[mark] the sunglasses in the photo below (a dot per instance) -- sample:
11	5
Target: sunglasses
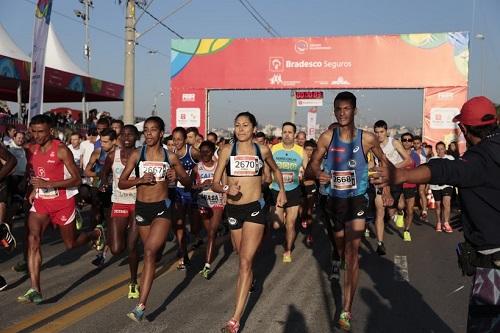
407	140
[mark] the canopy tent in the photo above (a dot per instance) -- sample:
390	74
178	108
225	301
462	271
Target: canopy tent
64	80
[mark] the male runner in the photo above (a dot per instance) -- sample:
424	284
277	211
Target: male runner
290	158
300	138
346	172
55	178
422	188
409	189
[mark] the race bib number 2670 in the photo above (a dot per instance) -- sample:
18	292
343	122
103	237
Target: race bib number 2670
244	165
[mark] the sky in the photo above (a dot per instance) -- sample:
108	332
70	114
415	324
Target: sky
290	18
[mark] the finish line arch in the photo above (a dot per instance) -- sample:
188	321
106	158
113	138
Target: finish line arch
435	62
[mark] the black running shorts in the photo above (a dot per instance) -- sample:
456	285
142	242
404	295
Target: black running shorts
147	212
251	212
343	210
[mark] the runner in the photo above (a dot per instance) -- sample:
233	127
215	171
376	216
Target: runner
8	163
300	138
422	188
210	204
243	162
290	158
396	154
54	181
212	137
409	189
188	156
346	171
442	195
122	230
309	191
153	214
76	150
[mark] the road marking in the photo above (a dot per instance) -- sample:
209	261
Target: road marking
111	294
456	290
401	269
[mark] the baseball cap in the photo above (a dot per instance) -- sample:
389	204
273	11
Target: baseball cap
477	111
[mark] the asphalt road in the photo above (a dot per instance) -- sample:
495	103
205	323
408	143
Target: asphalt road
416	287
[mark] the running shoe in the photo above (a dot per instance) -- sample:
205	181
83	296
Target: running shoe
232	326
406	236
309	240
7	240
133	291
20	267
100	242
345	321
367	233
137	314
205	272
181	266
381	249
304	224
335	271
447	228
438	227
3	283
423	215
400	221
78	220
31	296
287	257
100	260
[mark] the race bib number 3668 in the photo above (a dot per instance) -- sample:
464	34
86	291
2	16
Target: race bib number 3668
343	180
244	165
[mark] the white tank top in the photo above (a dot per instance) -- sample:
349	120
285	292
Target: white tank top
391	152
208	198
121	196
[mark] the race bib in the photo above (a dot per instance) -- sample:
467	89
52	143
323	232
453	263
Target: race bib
211	198
244	165
343	180
48	193
288	177
159	169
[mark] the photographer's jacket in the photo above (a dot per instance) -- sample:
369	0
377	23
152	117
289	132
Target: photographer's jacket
477	175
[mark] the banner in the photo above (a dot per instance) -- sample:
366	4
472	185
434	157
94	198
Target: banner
40	33
311	123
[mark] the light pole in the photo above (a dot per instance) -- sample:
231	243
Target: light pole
155	99
481	38
85	16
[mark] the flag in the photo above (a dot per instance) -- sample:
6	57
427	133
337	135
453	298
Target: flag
40	33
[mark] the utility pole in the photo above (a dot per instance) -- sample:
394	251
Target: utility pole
128	103
85	16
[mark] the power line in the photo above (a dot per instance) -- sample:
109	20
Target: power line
256	15
157	20
167	16
262	18
149	49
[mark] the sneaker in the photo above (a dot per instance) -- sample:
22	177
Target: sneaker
3	283
78	220
438	227
423	215
232	326
335	272
31	296
205	272
7	240
287	257
100	260
381	249
137	314
20	267
345	321
100	242
309	241
447	228
406	236
400	220
367	233
133	291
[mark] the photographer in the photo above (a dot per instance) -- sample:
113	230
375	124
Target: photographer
477	177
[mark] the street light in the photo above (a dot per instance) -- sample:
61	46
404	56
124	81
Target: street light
481	38
155	99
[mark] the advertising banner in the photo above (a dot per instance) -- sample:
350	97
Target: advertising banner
40	33
425	60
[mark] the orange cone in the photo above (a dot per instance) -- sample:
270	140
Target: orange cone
431	203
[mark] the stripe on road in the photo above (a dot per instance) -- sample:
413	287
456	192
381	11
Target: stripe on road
401	269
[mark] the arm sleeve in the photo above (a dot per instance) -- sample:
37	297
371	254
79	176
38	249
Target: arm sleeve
467	172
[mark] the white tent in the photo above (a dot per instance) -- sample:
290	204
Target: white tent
57	57
9	48
140	126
